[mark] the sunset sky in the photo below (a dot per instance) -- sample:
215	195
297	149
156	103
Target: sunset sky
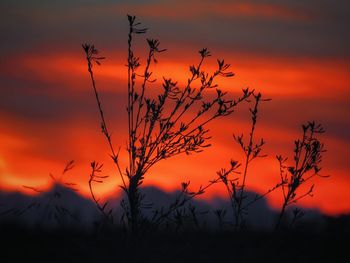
294	52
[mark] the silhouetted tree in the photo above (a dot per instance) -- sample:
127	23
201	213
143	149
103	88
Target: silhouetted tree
172	123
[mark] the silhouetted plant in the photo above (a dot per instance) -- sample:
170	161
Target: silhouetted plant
220	214
157	127
52	209
307	159
107	216
306	165
234	185
297	215
181	205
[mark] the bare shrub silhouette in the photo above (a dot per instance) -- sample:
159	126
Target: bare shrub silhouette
53	211
306	166
307	160
175	122
181	210
95	177
234	185
172	123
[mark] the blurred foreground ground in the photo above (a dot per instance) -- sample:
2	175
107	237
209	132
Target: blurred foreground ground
33	244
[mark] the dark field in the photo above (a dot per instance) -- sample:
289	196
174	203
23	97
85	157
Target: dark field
23	244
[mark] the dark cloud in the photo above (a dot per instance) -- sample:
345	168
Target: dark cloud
292	112
66	22
24	101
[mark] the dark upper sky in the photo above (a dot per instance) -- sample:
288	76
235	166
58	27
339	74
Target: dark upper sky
312	28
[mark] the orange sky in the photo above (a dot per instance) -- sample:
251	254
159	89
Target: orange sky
49	116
